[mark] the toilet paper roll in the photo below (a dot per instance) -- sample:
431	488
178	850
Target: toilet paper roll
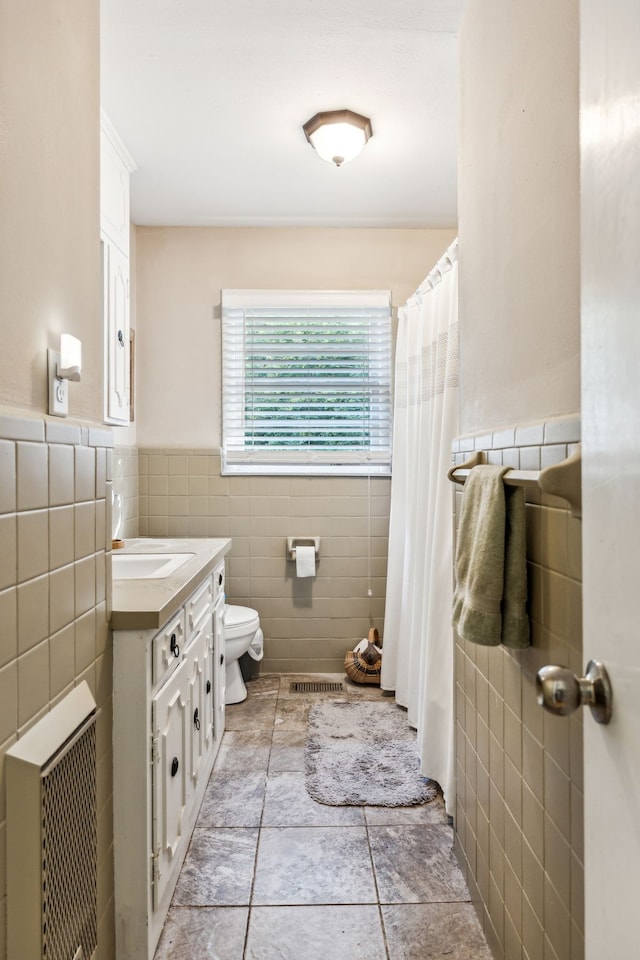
305	562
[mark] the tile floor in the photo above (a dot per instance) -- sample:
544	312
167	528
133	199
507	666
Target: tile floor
273	875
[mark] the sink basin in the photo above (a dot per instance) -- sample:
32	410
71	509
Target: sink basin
147	566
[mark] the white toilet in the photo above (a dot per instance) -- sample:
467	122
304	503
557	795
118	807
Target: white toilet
242	634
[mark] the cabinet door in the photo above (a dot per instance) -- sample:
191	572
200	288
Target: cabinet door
114	191
197	659
116	324
209	695
219	674
171	723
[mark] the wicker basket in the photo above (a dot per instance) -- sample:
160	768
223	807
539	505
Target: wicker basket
364	666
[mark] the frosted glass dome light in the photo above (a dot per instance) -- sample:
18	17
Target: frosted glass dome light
338	136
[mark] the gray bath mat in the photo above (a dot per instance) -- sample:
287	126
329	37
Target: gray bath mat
363	754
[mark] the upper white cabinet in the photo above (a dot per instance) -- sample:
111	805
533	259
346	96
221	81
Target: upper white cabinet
117	366
116	167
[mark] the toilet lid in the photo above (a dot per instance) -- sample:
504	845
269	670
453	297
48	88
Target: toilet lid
240	620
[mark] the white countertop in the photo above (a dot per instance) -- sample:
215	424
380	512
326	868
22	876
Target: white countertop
149	603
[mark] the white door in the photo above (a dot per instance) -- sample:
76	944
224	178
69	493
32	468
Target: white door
610	148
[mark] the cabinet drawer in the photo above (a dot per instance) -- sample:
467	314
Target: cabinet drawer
198	606
167	647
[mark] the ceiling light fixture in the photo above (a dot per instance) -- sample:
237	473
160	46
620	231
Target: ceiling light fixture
338	135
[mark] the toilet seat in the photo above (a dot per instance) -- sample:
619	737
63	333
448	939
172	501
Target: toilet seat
240	621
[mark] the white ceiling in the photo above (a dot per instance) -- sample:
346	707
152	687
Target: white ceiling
209	97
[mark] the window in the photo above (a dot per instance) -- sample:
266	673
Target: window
306	382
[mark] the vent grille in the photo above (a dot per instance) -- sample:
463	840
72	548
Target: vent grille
52	834
314	686
69	852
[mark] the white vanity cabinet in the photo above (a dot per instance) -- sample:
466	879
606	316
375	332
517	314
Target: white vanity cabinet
168	721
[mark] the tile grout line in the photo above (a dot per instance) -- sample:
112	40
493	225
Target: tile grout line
255	859
377	889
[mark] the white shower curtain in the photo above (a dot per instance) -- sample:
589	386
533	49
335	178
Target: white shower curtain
418	640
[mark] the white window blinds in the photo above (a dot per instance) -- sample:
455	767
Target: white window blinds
306	382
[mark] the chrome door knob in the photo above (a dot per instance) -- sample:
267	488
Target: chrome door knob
560	692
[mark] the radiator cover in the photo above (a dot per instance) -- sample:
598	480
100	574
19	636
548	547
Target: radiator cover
51	835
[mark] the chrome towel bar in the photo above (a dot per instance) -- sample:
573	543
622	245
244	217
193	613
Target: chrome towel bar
563	479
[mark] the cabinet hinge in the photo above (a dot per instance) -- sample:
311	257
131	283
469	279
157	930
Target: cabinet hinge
155	755
154	868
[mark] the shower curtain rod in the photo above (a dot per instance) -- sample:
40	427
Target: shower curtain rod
435	275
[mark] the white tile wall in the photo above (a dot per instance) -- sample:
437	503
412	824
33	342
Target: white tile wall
54	486
125	482
308	625
519	817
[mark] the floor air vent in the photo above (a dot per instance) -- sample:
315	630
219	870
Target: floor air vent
314	686
51	835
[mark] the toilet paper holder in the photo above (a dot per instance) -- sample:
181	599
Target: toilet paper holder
293	542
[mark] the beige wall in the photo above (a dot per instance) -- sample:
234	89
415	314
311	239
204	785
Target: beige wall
519	212
49	197
54	487
180	272
308	625
519	774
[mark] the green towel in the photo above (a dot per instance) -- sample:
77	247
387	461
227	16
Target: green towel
489	603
